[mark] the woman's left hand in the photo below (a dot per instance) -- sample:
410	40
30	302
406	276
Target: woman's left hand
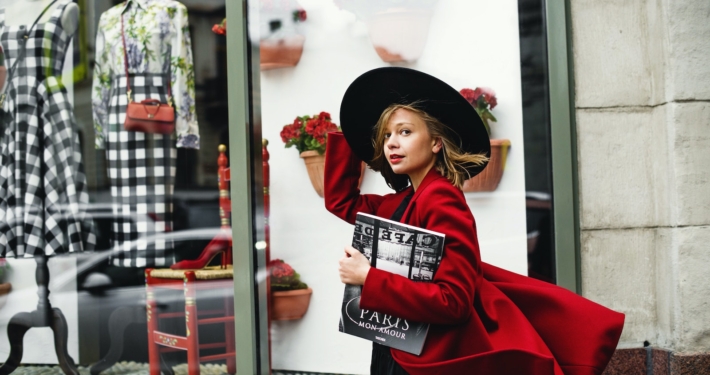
353	267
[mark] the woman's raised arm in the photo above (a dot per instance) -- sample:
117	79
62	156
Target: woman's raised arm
342	174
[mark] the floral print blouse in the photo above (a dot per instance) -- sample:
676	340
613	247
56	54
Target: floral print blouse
157	39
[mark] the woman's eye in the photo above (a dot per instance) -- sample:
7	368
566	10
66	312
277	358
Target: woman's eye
387	135
405	132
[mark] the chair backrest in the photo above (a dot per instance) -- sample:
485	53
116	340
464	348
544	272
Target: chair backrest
225	203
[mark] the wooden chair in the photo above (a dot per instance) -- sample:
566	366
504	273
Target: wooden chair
193	283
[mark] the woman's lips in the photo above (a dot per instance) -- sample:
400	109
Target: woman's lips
394	159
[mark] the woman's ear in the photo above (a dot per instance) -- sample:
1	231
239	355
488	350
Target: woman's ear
436	147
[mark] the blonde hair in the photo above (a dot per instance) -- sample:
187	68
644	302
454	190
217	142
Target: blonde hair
451	161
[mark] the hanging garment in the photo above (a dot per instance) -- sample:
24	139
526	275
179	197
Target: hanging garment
42	182
141	165
158	42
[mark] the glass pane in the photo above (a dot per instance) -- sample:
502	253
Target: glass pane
113	157
310	52
536	132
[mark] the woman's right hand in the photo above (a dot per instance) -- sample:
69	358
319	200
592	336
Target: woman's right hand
353	267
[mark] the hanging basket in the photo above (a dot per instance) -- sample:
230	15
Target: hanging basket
281	53
291	304
399	35
489	179
315	164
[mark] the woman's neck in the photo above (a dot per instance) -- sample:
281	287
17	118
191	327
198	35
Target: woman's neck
417	179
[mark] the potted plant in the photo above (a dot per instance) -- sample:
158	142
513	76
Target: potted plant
290	296
398	30
309	134
281	42
282	45
483	100
5	287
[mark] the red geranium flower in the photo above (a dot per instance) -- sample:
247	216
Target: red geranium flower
308	132
299	15
483	100
220	28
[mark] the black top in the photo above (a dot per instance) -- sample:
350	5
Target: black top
382	362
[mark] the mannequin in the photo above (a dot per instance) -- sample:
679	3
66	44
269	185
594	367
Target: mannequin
28	10
141	166
50	220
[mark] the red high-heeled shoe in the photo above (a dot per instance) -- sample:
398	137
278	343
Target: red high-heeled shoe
221	244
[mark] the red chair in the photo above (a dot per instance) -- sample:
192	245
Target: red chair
192	277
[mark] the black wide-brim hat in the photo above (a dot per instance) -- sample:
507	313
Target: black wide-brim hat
371	93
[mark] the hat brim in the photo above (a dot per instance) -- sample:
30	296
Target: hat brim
371	93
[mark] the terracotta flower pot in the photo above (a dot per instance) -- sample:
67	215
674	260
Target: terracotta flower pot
490	177
400	34
315	164
290	305
282	53
5	288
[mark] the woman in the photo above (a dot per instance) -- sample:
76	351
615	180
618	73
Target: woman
425	139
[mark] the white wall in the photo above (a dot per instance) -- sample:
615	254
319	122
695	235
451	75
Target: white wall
471	43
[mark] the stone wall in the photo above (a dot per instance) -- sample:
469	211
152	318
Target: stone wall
642	98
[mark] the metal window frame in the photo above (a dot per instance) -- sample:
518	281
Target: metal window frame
564	144
245	154
249	258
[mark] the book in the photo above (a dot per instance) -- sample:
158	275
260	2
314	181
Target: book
398	248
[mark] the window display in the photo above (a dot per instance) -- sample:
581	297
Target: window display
92	201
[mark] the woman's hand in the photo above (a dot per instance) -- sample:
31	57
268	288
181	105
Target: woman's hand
353	267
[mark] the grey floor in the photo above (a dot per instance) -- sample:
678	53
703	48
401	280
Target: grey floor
133	368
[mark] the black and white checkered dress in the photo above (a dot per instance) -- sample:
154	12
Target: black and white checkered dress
42	183
142	174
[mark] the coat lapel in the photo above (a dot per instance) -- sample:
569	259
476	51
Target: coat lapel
432	175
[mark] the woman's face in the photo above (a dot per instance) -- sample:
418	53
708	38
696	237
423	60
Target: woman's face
409	148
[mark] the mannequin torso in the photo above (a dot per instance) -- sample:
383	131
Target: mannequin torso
24	12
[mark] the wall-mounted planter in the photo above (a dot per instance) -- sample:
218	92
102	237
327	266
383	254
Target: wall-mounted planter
281	53
315	164
489	179
399	35
291	304
5	289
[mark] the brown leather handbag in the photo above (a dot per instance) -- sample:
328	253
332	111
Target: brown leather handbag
149	115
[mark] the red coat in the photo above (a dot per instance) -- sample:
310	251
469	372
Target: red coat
484	320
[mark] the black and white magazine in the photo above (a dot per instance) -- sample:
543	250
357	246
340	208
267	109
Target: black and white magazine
398	248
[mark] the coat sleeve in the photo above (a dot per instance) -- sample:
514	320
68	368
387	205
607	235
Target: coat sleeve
342	173
448	299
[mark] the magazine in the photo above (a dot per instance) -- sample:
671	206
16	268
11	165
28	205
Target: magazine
398	248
